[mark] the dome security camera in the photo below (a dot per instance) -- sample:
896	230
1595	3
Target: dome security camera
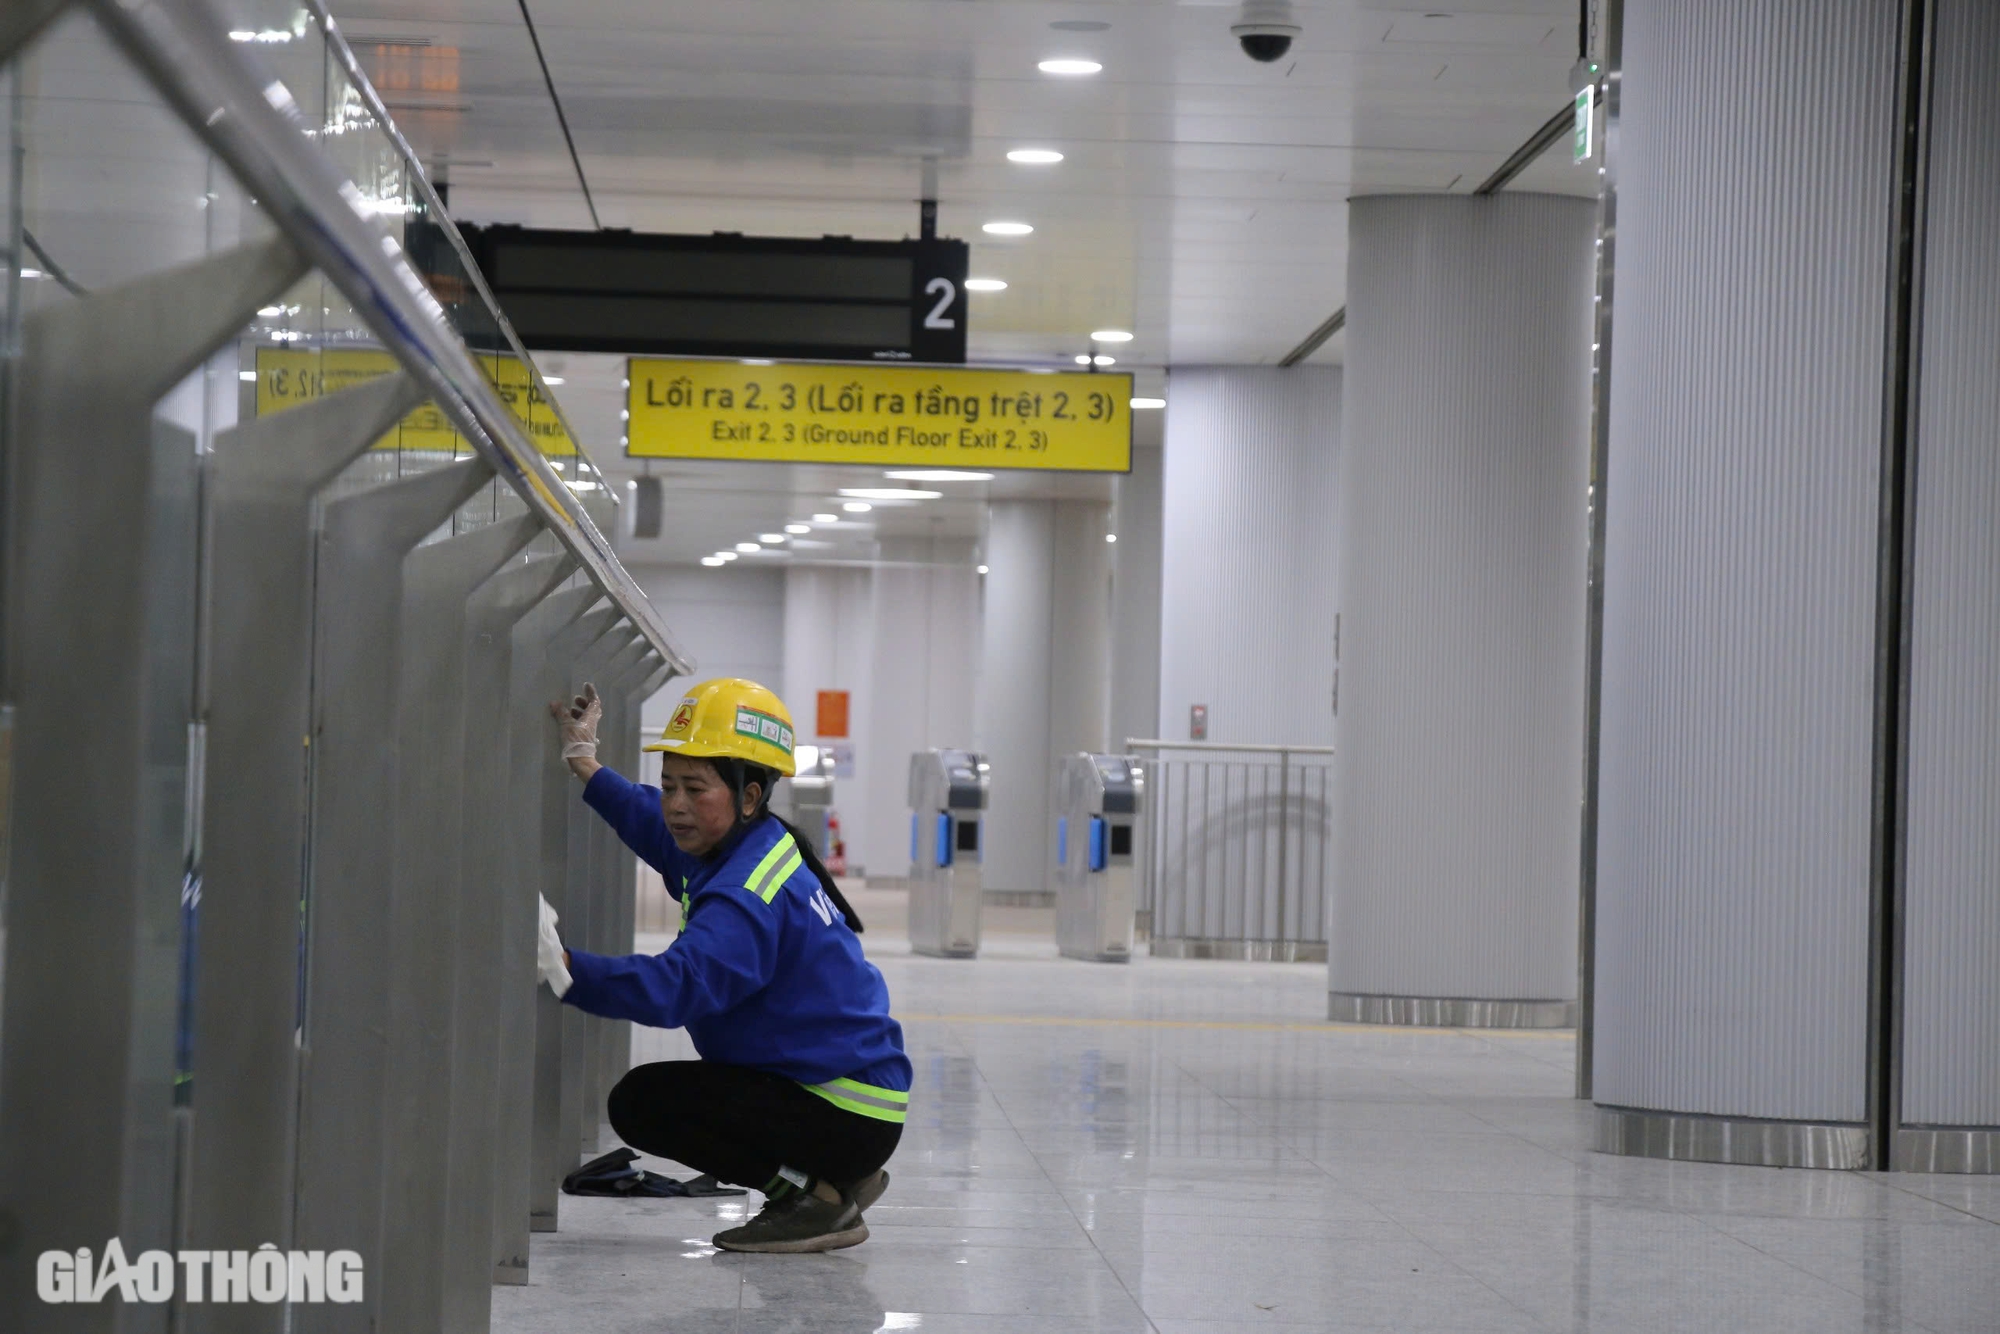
1265	30
1265	42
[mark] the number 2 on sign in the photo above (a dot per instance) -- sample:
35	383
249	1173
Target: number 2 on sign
946	293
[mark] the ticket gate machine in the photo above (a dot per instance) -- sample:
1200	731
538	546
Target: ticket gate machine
1099	799
807	796
947	799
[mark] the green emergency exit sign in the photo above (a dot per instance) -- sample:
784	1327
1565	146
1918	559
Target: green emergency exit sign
1580	140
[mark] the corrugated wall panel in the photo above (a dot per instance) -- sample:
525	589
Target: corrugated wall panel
1951	1007
1754	193
1462	531
1246	567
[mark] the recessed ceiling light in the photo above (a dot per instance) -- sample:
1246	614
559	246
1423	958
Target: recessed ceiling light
747	547
796	528
1034	157
1006	228
1111	336
1083	359
1111	537
1141	404
758	361
248	377
826	518
713	561
888	493
552	379
1066	65
985	285
937	475
771	538
857	507
982	569
725	556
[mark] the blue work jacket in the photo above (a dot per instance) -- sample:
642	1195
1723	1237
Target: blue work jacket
765	972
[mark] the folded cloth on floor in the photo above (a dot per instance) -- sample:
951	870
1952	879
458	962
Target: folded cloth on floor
613	1174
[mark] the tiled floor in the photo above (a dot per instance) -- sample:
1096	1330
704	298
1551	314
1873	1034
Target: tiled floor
1188	1148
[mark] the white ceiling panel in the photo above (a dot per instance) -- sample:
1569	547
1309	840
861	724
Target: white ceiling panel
1201	202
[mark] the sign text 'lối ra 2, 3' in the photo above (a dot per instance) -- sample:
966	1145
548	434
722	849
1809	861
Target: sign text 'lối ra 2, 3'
893	416
288	377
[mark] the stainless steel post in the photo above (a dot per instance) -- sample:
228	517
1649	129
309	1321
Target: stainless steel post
430	709
102	659
262	479
349	900
583	1039
1284	838
609	857
552	1151
539	779
621	742
482	985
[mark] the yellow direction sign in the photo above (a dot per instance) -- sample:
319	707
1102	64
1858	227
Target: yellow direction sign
287	377
894	416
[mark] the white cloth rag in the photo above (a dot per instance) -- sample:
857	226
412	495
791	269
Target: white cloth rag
549	952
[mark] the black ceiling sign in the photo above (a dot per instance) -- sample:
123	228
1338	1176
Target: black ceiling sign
725	295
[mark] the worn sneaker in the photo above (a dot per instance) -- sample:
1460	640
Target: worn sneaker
798	1223
868	1190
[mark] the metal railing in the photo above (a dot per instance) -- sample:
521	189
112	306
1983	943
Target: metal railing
263	664
1236	860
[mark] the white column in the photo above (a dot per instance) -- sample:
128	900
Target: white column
829	641
924	601
1462	531
1736	736
1044	675
1951	994
1135	590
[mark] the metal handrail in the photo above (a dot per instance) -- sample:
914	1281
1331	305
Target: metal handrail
434	207
252	124
1154	810
1141	743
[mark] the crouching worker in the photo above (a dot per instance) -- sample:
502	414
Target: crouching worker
802	1084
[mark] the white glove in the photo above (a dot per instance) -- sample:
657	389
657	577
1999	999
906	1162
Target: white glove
579	725
549	952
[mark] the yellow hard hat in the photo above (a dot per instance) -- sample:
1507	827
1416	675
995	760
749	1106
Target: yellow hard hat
730	718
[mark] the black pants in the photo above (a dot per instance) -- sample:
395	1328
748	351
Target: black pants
742	1125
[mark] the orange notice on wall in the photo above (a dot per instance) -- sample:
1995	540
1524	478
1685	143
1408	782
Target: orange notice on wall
832	720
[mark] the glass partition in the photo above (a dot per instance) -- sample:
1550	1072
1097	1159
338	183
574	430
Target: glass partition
111	186
243	702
